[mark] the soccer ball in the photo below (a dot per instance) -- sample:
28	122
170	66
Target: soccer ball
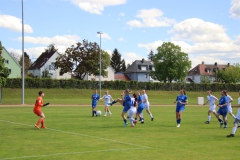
99	113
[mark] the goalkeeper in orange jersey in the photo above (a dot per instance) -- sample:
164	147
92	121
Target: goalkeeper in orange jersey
37	110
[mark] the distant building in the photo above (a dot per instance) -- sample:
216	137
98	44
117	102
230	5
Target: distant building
121	77
108	77
11	64
139	71
201	70
46	62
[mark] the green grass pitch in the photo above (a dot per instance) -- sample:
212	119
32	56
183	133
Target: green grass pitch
73	134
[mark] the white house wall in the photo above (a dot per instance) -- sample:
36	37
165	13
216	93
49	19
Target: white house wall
110	76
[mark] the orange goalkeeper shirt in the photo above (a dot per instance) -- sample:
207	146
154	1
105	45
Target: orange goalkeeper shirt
38	104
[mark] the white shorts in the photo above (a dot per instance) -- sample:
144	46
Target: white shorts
132	111
107	104
229	109
146	105
212	108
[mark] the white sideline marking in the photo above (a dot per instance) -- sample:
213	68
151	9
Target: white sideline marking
74	153
84	135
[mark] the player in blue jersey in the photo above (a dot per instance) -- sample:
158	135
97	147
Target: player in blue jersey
127	101
223	109
140	108
181	101
95	99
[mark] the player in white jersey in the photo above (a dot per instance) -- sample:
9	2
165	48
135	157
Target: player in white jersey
107	99
229	106
146	103
237	119
211	99
133	110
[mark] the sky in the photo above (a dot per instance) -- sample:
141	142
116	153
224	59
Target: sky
207	30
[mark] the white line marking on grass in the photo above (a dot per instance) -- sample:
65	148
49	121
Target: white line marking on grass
75	153
84	135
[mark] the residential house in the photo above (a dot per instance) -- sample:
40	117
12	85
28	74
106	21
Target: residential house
139	71
201	70
121	77
108	77
46	62
11	64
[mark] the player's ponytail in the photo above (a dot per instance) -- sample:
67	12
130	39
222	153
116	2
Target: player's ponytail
135	99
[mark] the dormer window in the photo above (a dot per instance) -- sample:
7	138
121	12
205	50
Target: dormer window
144	68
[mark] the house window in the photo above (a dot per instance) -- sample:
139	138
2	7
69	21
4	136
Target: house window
7	61
93	79
61	73
10	71
52	67
106	75
146	75
144	68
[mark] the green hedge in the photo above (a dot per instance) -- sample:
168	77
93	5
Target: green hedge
116	85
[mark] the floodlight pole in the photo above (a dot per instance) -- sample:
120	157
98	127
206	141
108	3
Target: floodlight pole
100	64
23	64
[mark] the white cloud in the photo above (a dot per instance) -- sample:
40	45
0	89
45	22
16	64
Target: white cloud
14	23
151	18
96	6
235	9
104	36
122	40
66	40
130	57
151	46
122	14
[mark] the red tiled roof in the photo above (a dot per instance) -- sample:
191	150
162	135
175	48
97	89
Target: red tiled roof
206	69
121	77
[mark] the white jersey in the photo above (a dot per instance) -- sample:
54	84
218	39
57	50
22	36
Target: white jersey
229	105
133	110
145	101
238	113
107	98
211	100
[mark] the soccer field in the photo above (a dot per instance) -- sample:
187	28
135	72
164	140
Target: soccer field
73	134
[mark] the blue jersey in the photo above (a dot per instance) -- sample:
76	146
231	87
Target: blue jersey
127	100
181	98
223	100
95	98
223	110
140	100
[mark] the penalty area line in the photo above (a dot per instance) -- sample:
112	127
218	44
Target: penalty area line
74	153
79	134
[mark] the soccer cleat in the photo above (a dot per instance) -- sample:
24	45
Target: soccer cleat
105	115
225	127
142	121
221	123
152	119
36	126
44	127
110	114
178	125
207	122
125	124
230	135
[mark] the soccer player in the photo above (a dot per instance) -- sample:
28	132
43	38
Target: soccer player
95	99
223	109
107	98
38	112
211	99
127	101
181	101
146	103
237	119
140	108
132	111
229	106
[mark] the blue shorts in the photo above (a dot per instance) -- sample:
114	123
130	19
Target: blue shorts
94	105
125	109
140	109
223	111
180	108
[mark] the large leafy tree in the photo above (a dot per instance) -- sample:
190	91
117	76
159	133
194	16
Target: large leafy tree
116	62
231	74
27	62
170	63
83	59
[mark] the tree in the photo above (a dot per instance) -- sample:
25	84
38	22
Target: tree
117	64
46	74
27	62
170	63
4	72
15	56
205	79
83	59
151	55
231	74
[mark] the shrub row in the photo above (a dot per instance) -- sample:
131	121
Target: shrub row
116	85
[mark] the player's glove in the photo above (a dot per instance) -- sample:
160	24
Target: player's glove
46	104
